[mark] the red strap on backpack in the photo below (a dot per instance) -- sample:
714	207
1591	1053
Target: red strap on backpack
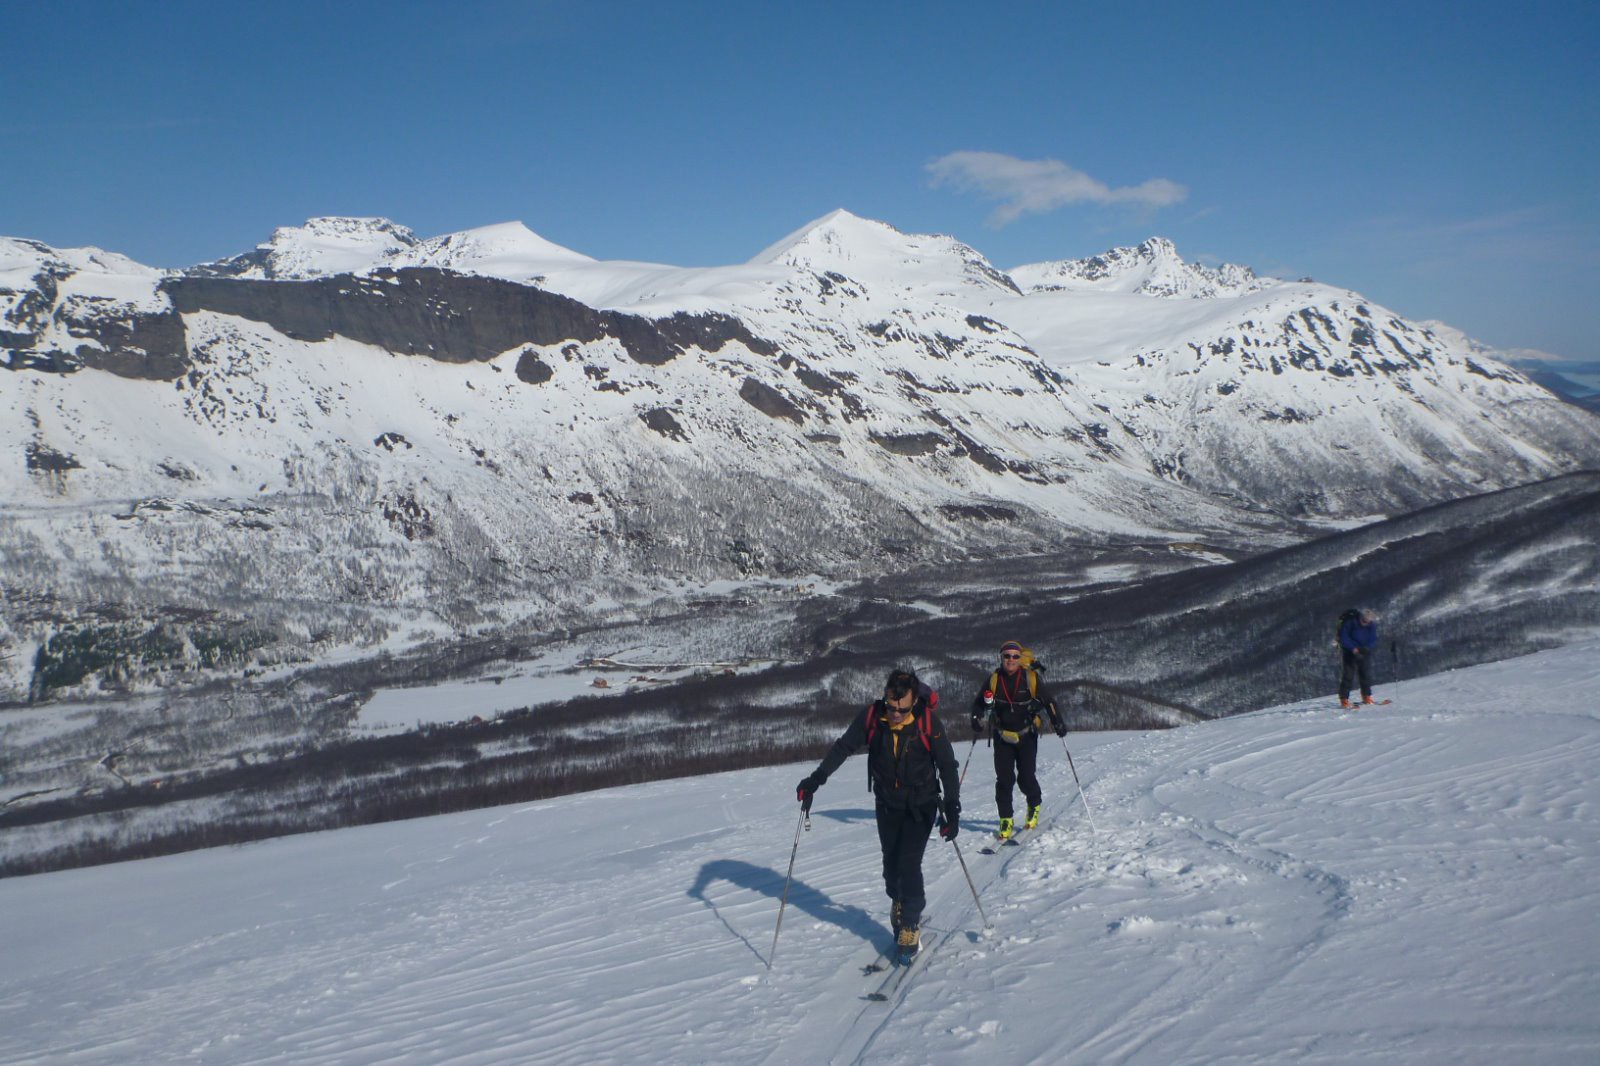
924	723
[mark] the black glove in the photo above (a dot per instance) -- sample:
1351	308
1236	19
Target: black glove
951	825
805	791
977	722
1060	726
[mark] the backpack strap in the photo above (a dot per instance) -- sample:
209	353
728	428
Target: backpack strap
1033	683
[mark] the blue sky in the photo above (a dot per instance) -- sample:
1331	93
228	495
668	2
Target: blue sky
1438	157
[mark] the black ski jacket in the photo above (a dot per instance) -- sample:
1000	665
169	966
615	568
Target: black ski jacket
1016	709
902	771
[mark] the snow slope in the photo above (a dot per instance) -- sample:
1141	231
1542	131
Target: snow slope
1415	883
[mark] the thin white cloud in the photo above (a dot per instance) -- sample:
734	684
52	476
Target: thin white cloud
1036	186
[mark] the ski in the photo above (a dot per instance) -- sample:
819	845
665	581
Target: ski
904	967
995	843
1358	706
891	956
1012	841
1016	839
885	959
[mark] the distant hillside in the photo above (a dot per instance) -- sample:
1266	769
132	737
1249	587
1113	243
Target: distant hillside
1471	581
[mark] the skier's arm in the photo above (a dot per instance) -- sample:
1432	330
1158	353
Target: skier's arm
982	706
850	741
1049	701
944	758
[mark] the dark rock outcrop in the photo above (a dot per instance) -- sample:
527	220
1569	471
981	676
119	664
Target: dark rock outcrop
769	401
908	443
662	421
455	318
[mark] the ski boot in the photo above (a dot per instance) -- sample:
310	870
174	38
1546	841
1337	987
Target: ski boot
1033	818
1367	700
1007	828
909	941
1344	704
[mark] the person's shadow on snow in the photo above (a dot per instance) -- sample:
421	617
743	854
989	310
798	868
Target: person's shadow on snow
769	882
846	814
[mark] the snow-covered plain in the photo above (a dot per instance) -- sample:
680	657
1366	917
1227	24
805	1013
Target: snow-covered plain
1413	883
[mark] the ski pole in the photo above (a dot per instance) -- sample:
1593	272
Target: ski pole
970	885
805	820
969	760
1085	798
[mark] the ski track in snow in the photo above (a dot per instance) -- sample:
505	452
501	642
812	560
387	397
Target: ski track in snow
1416	883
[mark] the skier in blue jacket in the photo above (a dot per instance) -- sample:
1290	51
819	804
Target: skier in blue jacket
1358	641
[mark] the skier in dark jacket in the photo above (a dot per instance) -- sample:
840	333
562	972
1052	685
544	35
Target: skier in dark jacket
1011	701
1358	639
908	754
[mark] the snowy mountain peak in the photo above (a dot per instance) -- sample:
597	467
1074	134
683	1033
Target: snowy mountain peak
879	254
507	250
21	259
327	245
838	232
1153	268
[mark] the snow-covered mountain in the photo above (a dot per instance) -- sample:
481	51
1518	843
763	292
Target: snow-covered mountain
1412	884
361	431
1154	268
321	247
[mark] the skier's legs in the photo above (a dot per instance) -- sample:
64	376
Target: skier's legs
1027	767
1005	775
1347	673
915	829
1364	671
890	820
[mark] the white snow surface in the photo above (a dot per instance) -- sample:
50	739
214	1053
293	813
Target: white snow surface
1411	883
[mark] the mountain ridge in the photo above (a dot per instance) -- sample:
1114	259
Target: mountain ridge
855	400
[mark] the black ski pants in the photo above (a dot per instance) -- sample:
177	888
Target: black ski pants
904	832
1355	666
1015	764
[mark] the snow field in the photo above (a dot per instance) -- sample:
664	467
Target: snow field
1410	884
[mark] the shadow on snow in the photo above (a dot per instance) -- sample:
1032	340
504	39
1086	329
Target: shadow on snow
803	897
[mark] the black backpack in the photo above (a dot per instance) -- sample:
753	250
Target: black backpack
1352	615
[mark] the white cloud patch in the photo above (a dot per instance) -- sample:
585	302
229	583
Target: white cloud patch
1040	185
